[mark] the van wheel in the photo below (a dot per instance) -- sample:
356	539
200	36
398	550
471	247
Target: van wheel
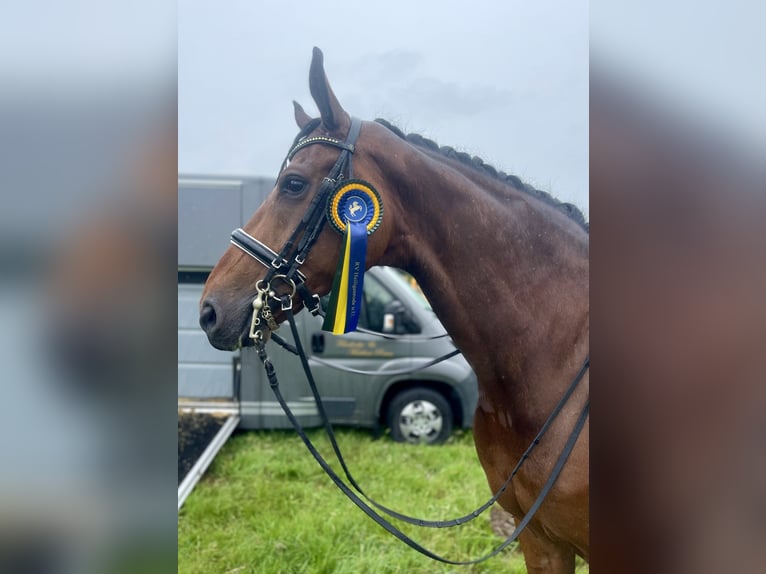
420	415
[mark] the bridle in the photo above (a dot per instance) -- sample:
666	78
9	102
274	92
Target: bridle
285	267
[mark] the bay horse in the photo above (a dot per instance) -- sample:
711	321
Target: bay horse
505	268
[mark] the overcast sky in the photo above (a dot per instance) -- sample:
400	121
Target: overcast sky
507	81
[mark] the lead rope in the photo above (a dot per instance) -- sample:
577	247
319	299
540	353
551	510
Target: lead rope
274	383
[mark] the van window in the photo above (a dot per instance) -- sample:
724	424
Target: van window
408	281
376	299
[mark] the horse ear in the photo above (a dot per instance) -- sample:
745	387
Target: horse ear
301	117
334	117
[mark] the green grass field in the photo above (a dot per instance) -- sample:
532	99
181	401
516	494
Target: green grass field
266	506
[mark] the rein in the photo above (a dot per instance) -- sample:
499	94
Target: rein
284	266
367	507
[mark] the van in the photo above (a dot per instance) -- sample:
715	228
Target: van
424	406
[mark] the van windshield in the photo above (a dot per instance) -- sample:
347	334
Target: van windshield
408	281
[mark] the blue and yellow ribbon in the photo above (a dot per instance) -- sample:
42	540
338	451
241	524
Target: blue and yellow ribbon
355	210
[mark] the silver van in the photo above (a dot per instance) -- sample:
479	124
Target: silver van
424	406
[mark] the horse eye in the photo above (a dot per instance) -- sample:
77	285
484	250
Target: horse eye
293	186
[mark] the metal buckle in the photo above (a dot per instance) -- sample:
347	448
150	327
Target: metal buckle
278	265
318	307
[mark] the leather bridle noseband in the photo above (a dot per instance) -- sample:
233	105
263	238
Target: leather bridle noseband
285	265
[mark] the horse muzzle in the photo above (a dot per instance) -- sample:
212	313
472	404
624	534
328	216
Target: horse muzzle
225	331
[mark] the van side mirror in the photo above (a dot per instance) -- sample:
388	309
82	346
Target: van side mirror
398	319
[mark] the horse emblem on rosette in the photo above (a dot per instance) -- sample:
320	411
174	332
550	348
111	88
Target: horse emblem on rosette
354	209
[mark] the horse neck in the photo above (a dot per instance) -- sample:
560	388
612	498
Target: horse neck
506	274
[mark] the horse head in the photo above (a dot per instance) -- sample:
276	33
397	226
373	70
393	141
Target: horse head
226	305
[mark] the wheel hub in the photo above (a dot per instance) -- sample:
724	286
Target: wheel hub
420	420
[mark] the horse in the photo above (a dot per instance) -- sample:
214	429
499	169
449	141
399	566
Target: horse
505	268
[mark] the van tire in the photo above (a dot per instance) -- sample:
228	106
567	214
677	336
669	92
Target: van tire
420	415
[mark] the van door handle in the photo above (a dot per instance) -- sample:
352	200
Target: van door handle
317	343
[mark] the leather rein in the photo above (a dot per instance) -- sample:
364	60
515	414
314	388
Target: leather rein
285	267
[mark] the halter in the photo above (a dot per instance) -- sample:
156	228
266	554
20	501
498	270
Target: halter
285	265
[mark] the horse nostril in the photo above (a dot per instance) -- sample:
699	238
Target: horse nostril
207	316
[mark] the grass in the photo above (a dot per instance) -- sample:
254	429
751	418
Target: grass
265	506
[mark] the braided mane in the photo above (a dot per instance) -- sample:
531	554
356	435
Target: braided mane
477	163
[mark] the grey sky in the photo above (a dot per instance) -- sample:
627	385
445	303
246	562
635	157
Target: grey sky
507	81
704	58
